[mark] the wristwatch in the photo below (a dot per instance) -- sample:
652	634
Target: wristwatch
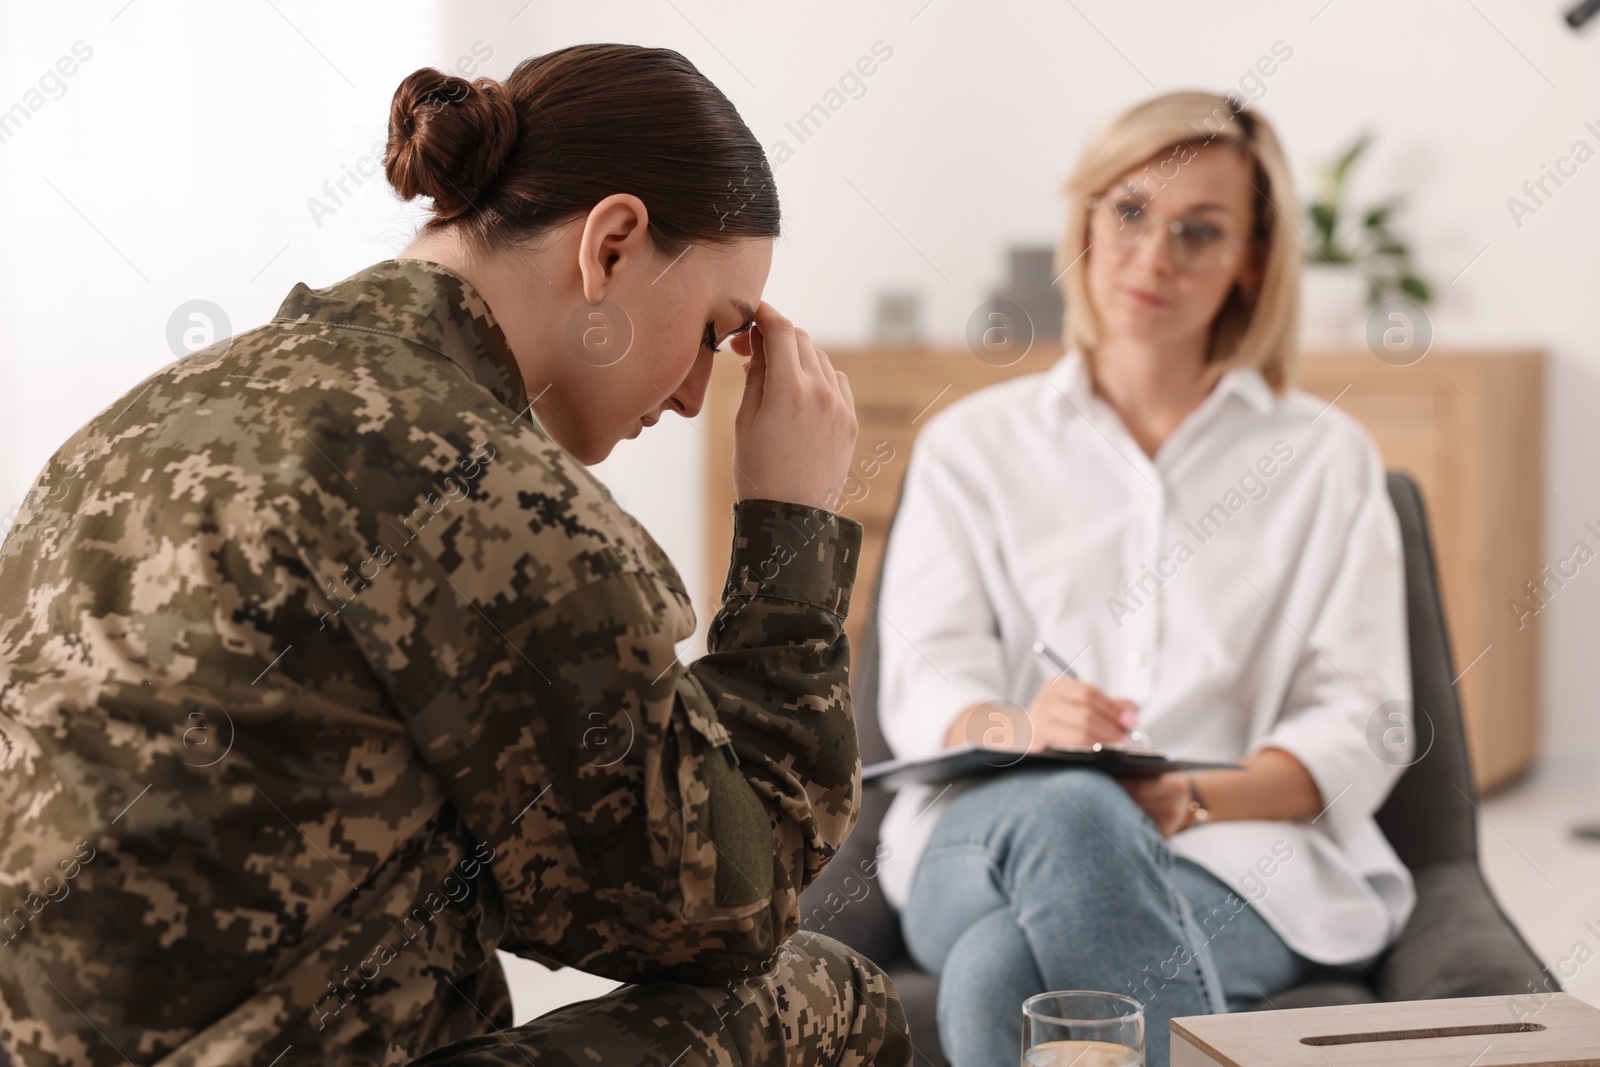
1197	812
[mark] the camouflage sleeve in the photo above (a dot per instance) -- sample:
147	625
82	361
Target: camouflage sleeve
650	819
777	647
750	771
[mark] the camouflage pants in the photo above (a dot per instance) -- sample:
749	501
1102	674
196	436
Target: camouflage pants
818	1003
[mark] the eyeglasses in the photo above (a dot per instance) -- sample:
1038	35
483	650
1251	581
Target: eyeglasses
1197	247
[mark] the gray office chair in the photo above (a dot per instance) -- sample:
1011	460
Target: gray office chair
1458	942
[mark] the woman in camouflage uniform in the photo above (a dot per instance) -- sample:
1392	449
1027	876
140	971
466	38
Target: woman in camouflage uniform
327	669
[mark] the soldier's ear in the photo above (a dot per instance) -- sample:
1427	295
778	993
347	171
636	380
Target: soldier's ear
615	233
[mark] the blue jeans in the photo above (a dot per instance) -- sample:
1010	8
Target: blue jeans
1052	878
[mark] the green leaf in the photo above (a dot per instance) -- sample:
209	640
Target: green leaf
1415	288
1342	167
1379	214
1323	217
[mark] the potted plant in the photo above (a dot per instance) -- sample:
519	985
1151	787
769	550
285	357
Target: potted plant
1354	261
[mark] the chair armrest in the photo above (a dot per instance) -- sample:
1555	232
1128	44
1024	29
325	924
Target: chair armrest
1458	943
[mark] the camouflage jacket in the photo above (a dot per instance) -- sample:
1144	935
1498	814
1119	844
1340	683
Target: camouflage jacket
325	672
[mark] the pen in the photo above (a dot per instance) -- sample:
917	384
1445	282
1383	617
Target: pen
1051	656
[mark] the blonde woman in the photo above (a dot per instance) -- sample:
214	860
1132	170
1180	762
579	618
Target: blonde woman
1216	555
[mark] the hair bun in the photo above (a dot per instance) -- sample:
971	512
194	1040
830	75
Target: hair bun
448	137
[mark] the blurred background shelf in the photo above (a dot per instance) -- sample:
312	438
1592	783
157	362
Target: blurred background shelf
1466	424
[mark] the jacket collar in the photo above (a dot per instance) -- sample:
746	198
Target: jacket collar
426	304
1069	386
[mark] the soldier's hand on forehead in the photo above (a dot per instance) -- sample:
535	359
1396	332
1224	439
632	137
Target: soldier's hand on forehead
796	427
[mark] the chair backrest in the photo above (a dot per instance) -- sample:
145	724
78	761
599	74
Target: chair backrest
1429	817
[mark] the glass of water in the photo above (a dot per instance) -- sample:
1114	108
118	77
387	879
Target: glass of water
1082	1028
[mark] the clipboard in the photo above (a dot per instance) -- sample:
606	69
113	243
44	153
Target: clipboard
978	761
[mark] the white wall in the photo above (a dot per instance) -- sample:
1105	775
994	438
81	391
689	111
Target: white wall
177	163
962	138
174	164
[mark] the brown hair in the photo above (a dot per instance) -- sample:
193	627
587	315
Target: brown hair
505	161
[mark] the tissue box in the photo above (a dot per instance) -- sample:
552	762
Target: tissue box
1554	1029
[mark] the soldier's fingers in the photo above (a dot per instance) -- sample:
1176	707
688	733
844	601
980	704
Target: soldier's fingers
810	365
778	346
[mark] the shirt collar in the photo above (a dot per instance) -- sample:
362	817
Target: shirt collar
1068	384
425	303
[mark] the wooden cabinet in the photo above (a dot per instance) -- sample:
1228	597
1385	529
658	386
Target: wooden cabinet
1466	425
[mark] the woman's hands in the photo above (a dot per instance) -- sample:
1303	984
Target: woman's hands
1272	784
1069	712
1066	713
796	428
1164	799
1075	714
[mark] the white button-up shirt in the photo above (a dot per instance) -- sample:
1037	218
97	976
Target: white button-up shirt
1245	587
